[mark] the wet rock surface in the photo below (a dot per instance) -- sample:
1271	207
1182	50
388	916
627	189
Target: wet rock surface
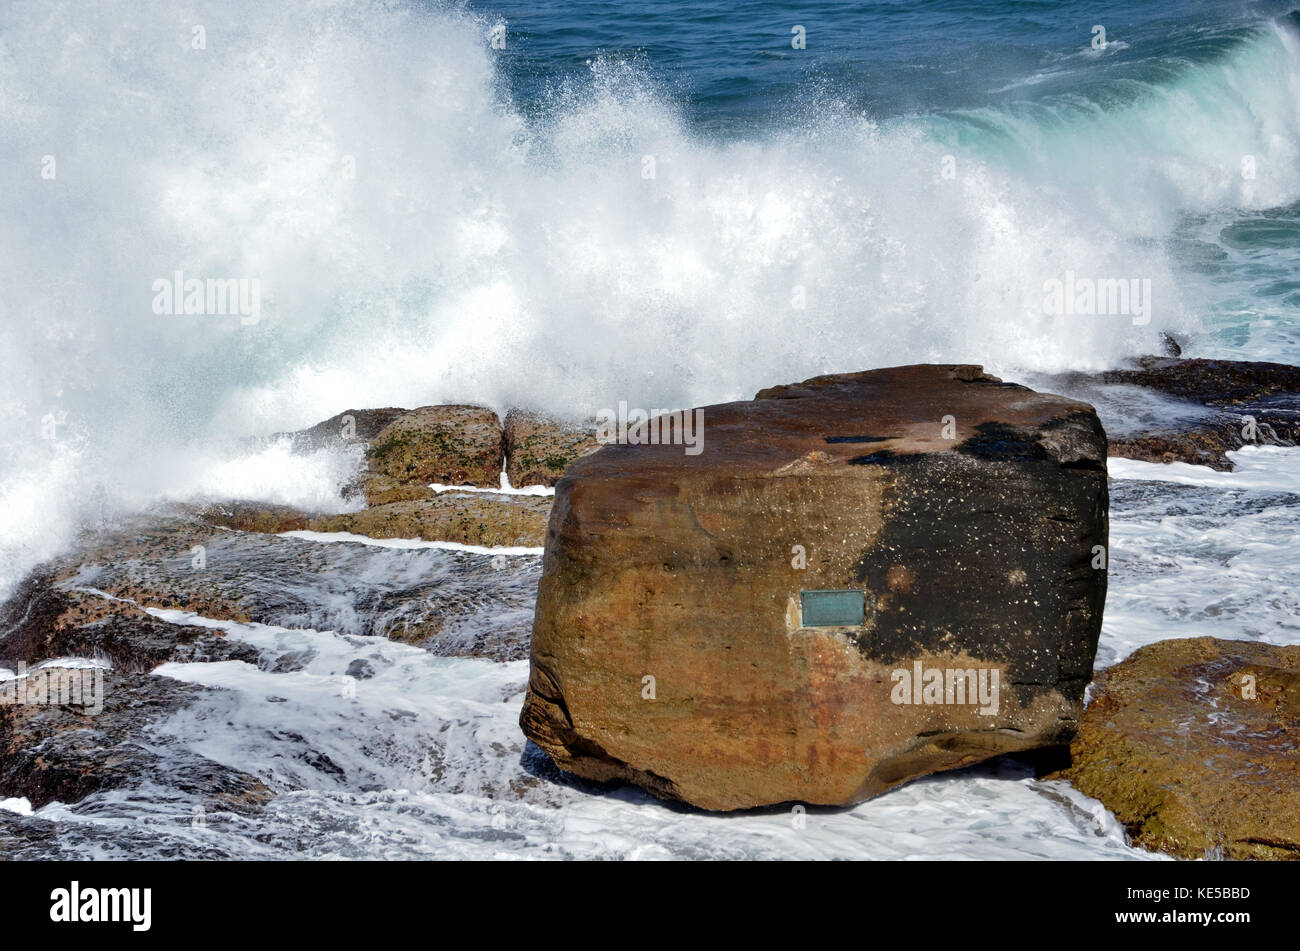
45	620
469	519
1216	407
1212	382
250	516
352	425
120	599
180	585
484	519
1192	745
57	751
444	600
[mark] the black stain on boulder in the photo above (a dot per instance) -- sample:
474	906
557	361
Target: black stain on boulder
1002	443
1051	514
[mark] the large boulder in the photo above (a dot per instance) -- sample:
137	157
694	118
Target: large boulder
741	627
1192	744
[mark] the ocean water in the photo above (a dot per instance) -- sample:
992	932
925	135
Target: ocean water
661	202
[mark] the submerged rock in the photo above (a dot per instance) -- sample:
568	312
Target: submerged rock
45	621
684	638
1192	745
540	449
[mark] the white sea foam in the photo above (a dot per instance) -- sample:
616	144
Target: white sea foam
505	489
337	537
1194	552
21	805
1275	468
276	473
424	758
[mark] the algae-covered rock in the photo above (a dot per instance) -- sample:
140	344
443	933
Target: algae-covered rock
539	449
449	445
467	518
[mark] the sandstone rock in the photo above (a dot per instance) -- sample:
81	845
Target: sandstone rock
471	519
378	489
451	445
539	450
487	519
1212	382
973	552
1201	444
1173	744
247	516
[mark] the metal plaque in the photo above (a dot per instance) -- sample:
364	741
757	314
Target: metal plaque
832	608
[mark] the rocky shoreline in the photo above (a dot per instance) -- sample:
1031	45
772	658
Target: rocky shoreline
123	597
1211	408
